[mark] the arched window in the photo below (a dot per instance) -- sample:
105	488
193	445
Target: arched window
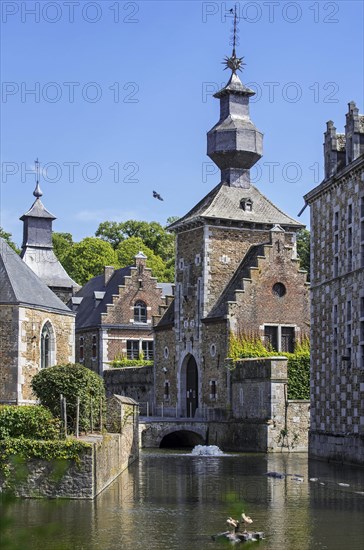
94	347
140	312
82	348
47	346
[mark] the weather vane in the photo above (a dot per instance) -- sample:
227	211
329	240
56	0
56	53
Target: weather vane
37	191
234	63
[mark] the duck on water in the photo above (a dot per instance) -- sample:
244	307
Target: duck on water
237	536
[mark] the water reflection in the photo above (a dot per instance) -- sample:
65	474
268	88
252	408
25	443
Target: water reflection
169	501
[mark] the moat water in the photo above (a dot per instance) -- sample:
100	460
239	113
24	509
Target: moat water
172	500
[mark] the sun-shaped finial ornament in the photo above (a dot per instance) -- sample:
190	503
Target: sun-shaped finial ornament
234	63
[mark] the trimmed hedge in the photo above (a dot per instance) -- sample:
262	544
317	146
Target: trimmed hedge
71	381
122	363
32	421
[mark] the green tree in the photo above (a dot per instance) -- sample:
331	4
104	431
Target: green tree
129	248
87	259
7	238
172	219
72	381
153	235
111	232
62	242
303	249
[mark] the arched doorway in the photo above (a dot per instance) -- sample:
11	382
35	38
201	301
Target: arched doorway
191	387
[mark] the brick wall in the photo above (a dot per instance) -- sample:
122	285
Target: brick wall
259	305
111	342
121	311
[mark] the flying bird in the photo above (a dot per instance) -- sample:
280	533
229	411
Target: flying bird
157	196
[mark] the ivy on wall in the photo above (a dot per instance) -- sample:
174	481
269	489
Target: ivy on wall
298	365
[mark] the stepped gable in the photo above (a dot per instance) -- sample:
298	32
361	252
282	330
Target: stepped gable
87	314
224	202
250	260
21	286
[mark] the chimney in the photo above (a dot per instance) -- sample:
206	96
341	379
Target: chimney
108	273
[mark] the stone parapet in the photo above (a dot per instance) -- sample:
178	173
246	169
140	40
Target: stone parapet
98	466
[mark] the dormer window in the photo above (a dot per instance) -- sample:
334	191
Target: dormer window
246	205
140	312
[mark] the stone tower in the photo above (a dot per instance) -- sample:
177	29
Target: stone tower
37	249
234	143
236	271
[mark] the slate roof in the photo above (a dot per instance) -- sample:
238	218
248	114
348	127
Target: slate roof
234	86
223	202
89	315
166	288
167	319
38	210
47	267
20	285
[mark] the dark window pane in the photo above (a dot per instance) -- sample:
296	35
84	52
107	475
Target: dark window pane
271	337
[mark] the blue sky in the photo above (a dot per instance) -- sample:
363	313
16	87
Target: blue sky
123	101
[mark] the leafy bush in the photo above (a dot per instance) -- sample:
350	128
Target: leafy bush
72	381
33	421
122	363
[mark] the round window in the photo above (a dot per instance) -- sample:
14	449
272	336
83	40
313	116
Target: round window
279	289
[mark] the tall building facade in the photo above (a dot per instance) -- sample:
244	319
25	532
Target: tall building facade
237	271
337	286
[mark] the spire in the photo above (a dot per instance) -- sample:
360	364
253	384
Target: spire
234	143
37	191
234	63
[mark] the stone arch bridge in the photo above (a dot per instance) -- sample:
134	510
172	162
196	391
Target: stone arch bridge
172	432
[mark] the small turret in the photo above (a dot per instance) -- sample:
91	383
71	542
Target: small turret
342	149
334	150
37	247
234	143
354	133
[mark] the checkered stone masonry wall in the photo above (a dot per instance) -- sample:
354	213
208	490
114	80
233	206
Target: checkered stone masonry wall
337	318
